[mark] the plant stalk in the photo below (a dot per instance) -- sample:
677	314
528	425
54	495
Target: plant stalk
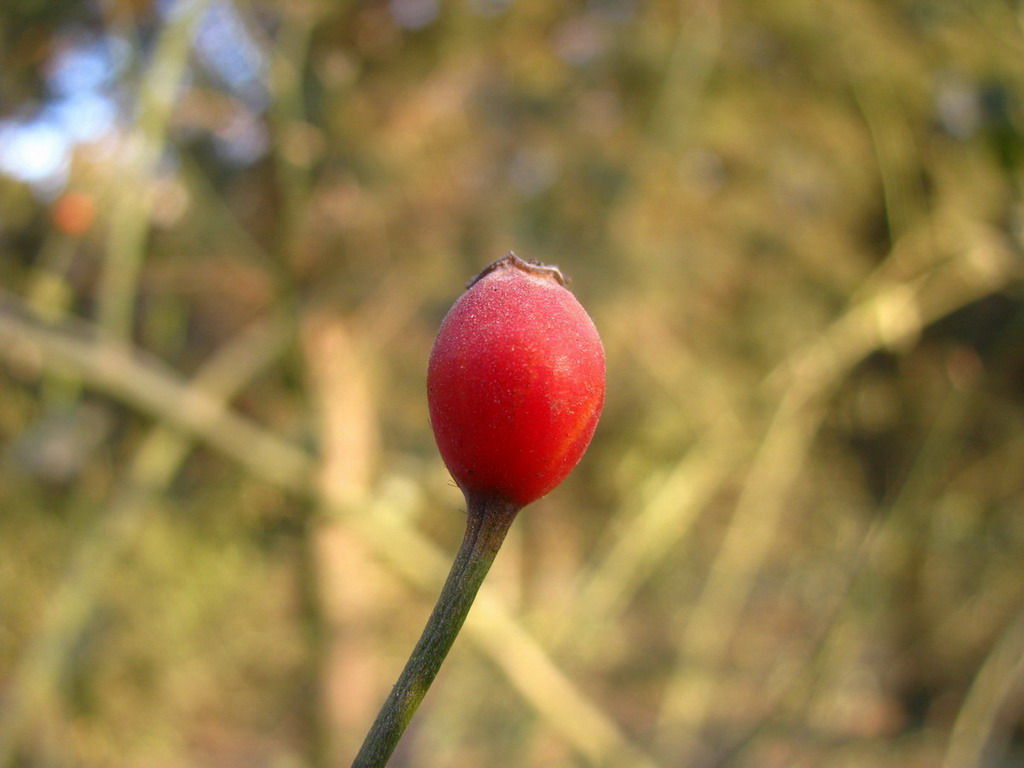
488	520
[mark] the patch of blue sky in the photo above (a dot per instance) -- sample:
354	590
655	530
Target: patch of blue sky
90	65
227	48
35	151
82	105
36	148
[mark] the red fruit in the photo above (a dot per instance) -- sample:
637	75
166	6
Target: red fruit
515	383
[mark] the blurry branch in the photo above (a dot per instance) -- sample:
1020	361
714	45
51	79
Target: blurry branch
690	63
877	77
156	462
672	501
129	221
229	228
500	636
288	55
893	142
747	544
1001	674
809	695
893	317
689	66
295	141
519	656
348	596
669	504
48	293
152	388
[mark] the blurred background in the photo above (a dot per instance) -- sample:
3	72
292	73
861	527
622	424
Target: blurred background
228	232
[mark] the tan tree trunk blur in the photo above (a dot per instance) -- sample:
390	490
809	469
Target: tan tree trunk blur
349	586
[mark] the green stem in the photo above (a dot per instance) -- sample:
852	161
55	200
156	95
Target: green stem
488	520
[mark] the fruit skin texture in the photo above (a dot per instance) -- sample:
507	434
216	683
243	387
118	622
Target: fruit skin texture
515	383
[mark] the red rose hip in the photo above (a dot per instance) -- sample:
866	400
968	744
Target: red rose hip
515	383
515	386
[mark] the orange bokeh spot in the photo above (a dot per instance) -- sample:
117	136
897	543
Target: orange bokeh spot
74	213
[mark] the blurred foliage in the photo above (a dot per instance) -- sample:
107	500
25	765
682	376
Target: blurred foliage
228	231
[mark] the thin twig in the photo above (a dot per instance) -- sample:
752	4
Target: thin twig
487	522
